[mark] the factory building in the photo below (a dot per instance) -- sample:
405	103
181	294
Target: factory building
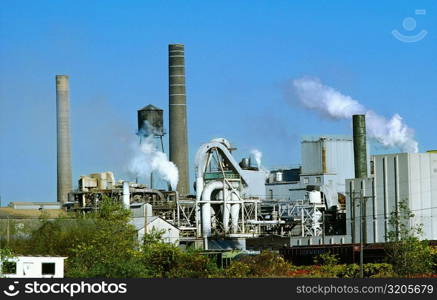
326	162
284	183
322	201
394	178
145	222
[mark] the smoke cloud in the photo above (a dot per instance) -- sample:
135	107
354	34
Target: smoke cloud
147	159
257	155
330	103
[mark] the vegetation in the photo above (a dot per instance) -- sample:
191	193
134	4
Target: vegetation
105	244
266	264
407	253
168	261
6	267
110	249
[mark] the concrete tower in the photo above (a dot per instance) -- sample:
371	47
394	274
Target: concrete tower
178	115
63	134
360	145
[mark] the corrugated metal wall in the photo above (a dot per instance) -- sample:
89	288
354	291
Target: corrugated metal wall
410	177
338	160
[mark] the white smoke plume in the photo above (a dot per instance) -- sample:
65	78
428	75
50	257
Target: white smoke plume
147	159
257	155
330	103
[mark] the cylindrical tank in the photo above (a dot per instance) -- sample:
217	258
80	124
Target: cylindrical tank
278	176
150	121
244	164
360	148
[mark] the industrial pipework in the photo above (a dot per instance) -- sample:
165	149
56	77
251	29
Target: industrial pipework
63	138
178	115
360	147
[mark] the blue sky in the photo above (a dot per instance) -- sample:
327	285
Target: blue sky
240	58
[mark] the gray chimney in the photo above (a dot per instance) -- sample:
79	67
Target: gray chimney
63	137
360	147
178	115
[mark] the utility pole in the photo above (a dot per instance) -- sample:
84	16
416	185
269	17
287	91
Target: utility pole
363	200
7	233
361	235
323	227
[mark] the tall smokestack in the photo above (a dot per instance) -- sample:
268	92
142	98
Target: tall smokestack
178	115
63	133
360	147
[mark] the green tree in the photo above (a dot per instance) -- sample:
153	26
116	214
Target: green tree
111	249
407	253
163	260
5	255
266	264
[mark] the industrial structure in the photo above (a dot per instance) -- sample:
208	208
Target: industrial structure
338	195
394	179
178	139
360	145
63	140
227	193
151	125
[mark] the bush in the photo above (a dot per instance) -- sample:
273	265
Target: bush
326	259
110	250
407	253
328	265
370	270
168	261
434	259
266	264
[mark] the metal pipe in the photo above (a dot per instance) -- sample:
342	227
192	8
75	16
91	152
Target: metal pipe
206	206
235	212
360	148
226	210
258	222
64	184
126	194
178	115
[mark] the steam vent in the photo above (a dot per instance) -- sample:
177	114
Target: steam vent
178	115
63	140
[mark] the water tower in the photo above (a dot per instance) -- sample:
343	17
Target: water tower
151	124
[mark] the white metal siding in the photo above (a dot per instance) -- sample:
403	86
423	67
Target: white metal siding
339	159
311	153
411	177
